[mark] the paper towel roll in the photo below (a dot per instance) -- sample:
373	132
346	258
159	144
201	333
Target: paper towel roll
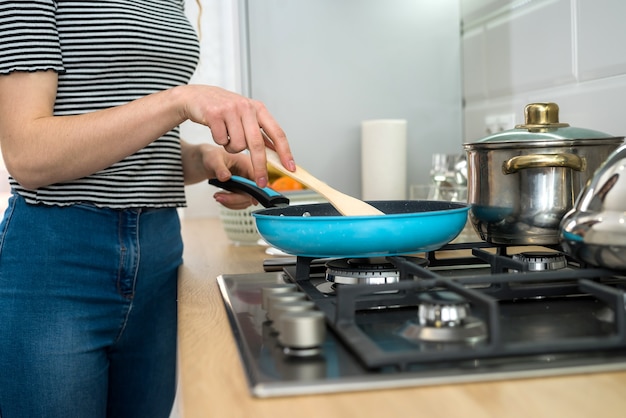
383	159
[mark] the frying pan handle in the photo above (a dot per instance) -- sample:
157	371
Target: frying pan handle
267	197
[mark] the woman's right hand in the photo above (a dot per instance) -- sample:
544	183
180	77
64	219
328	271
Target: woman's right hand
236	122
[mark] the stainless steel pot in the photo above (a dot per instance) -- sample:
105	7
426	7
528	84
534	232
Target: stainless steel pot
595	230
521	182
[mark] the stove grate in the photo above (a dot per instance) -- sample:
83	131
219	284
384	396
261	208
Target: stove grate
355	310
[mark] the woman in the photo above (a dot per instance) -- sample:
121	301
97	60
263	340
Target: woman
91	96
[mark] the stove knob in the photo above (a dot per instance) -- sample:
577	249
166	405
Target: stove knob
284	308
276	299
301	330
274	289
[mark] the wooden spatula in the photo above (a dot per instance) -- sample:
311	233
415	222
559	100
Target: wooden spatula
346	205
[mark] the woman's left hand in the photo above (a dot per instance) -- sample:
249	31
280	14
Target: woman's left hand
204	161
236	123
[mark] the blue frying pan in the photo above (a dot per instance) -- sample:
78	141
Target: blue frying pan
320	231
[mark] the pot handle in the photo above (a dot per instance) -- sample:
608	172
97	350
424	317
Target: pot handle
521	162
267	197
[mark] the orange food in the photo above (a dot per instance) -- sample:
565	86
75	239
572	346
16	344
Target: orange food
285	184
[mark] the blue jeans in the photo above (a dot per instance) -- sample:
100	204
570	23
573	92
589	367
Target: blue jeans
87	311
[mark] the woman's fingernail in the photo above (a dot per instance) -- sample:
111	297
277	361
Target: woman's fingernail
291	165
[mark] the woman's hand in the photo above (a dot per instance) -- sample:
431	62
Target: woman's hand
204	161
236	122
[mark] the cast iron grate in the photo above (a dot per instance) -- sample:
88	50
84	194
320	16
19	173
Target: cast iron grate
357	313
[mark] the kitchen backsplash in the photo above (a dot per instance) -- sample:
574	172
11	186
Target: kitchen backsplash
566	51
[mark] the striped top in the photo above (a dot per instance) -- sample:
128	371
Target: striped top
106	53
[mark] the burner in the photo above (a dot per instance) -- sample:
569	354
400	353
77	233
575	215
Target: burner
444	317
542	260
442	309
365	270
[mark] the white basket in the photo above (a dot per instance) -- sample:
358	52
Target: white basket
240	227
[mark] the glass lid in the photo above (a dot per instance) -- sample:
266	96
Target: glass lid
542	124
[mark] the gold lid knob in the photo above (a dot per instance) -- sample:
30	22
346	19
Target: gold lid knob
539	117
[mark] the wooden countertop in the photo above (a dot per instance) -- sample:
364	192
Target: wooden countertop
212	381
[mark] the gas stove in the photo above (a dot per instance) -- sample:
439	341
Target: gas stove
467	312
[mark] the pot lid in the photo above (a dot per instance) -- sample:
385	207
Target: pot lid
541	123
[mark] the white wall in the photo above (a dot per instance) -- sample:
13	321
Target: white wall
565	51
220	66
324	66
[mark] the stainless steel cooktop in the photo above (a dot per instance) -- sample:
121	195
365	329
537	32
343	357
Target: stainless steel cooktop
466	313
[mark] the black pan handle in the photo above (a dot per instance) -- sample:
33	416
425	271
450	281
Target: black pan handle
267	197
